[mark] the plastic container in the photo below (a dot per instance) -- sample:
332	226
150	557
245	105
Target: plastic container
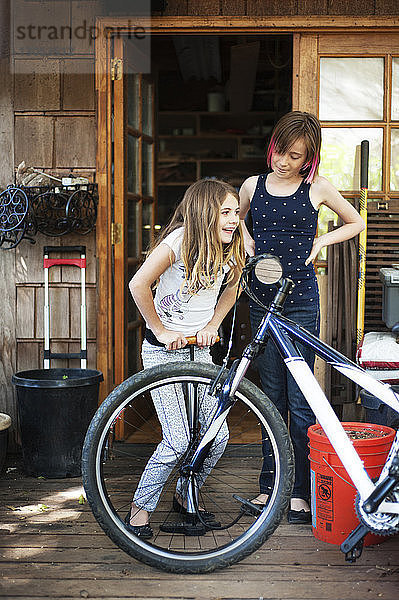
379	412
55	407
332	491
5	422
390	296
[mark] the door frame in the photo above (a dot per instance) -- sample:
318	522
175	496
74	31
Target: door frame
305	31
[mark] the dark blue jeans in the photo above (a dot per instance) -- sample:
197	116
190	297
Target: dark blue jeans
279	385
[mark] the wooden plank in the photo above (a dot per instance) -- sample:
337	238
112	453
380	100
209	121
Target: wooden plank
90	311
59	312
25	312
7	306
28	356
308	95
37	84
296	45
39	327
386	7
313	7
254	572
34	140
103	228
366	43
29	261
384	560
342	7
61	552
120	214
83	20
205	7
78	84
272	7
75	142
39	26
176	7
177	586
233	7
267	24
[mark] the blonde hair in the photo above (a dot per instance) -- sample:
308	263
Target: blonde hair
202	252
291	127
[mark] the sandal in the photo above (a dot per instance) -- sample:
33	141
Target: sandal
142	531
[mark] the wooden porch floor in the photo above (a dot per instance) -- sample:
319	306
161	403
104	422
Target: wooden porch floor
52	547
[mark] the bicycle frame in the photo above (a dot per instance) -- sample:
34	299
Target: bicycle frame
284	333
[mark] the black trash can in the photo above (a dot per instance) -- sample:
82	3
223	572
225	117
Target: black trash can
55	407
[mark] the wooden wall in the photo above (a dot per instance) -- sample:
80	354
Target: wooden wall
277	7
47	110
47	114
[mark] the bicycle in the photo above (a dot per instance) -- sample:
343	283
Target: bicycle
189	543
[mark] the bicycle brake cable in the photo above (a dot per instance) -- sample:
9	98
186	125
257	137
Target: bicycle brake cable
229	345
243	283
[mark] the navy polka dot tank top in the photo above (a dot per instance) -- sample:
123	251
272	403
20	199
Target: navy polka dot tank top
285	226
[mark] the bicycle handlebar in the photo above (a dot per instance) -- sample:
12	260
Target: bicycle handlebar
192	340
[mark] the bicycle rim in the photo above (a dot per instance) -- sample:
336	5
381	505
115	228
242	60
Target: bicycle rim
112	470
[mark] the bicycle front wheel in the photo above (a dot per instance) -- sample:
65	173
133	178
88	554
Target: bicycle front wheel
112	470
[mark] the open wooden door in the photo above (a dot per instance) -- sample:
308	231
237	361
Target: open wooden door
133	201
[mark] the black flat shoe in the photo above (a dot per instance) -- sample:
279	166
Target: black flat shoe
177	507
299	516
142	531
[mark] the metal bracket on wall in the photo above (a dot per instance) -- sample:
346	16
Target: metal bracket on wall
116	233
116	69
53	211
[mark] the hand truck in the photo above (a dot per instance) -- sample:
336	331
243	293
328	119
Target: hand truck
77	262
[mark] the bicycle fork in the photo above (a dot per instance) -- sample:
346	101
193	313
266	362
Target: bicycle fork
225	403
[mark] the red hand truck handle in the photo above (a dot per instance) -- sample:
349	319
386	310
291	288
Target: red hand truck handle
77	262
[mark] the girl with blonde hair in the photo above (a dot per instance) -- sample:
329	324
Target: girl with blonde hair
201	247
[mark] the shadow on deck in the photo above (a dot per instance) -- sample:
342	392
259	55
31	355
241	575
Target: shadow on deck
52	547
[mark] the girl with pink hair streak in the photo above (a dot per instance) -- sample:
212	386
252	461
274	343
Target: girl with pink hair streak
284	204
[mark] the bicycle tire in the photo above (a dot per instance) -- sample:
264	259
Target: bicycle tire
236	471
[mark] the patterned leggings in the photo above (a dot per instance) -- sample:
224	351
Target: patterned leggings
171	411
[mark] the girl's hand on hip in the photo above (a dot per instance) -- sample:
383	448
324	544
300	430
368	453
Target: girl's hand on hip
207	336
173	340
317	246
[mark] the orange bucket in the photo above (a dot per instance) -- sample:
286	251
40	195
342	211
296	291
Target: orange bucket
332	491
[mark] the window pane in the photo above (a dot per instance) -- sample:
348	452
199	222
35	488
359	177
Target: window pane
133	84
395	159
133	229
395	89
351	89
133	183
147	107
148	225
340	157
147	162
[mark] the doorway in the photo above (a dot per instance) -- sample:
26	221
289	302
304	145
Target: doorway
206	109
216	99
